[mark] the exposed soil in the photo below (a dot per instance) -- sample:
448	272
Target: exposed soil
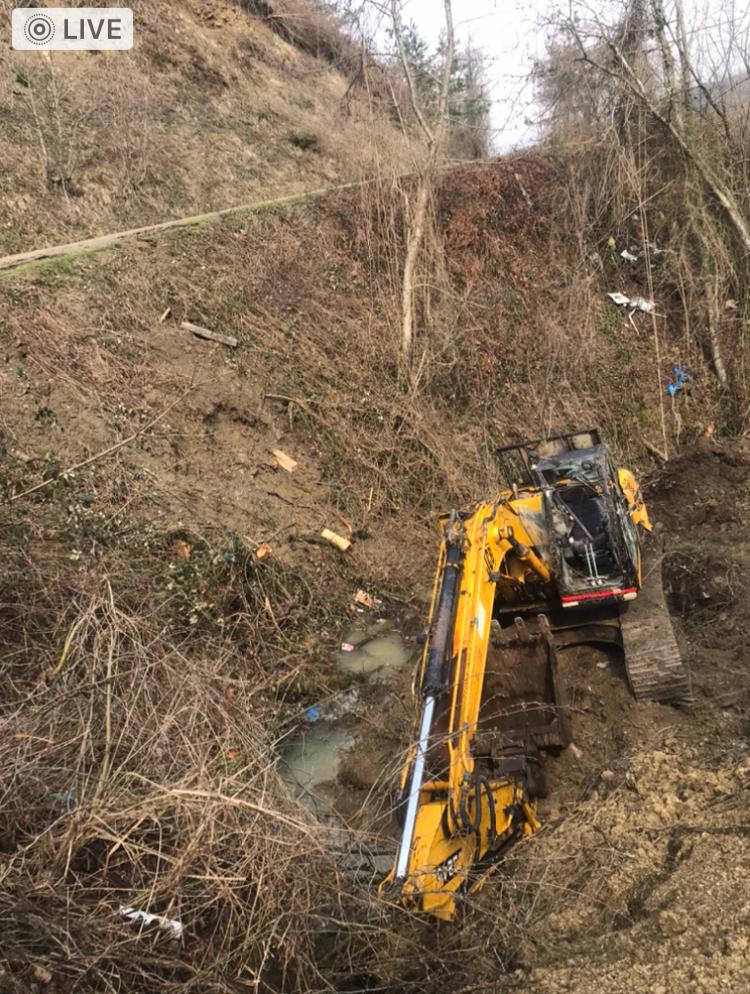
211	108
638	874
642	871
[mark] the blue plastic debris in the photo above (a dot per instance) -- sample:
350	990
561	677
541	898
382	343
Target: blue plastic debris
313	713
682	376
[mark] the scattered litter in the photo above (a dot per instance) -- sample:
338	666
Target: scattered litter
334	708
347	647
632	303
42	975
286	462
603	665
168	924
635	252
642	305
69	799
165	315
182	549
362	598
212	336
575	750
263	551
341	543
730	305
682	376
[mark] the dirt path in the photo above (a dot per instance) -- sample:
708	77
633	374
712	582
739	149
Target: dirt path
26	259
34	257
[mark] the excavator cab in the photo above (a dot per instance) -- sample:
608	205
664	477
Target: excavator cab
594	544
589	531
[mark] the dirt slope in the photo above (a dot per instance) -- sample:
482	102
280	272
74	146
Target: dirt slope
643	875
156	552
213	107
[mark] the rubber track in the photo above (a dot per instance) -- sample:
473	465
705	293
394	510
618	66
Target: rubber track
653	660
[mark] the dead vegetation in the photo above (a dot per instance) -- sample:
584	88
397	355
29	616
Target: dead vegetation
152	659
649	112
137	768
213	107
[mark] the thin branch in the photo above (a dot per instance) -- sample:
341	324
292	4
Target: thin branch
100	455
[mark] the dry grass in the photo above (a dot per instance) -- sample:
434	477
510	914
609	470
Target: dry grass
206	112
137	769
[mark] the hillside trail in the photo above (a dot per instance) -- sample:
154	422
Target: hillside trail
14	262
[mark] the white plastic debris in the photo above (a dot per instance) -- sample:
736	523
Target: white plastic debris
640	304
632	303
619	298
628	256
170	925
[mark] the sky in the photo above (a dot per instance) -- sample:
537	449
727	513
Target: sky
511	34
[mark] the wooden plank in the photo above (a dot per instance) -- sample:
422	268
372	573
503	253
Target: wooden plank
212	336
286	462
341	543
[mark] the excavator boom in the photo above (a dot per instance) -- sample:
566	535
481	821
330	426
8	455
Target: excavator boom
461	804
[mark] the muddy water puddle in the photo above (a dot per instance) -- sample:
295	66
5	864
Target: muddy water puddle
312	758
373	651
373	654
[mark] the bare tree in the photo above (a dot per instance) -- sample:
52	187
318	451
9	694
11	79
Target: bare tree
433	134
620	68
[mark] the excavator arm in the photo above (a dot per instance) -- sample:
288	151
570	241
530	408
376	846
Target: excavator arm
563	545
460	805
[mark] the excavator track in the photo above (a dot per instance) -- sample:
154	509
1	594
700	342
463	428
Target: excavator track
653	661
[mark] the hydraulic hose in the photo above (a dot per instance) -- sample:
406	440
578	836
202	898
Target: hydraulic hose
469	825
435	677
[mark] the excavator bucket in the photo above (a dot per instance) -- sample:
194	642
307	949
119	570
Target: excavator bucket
523	706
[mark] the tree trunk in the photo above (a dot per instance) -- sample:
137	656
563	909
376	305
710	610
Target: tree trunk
415	229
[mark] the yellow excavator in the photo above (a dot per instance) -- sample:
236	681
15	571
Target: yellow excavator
554	560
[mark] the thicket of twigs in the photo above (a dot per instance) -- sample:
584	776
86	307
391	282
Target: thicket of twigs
138	770
650	114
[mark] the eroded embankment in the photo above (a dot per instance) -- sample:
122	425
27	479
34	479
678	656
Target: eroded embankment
640	881
637	882
169	610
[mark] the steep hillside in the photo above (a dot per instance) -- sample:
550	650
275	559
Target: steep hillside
169	611
216	105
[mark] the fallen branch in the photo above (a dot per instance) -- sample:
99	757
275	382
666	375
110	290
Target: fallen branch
212	336
657	453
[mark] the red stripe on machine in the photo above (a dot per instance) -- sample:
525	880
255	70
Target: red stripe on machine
597	595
